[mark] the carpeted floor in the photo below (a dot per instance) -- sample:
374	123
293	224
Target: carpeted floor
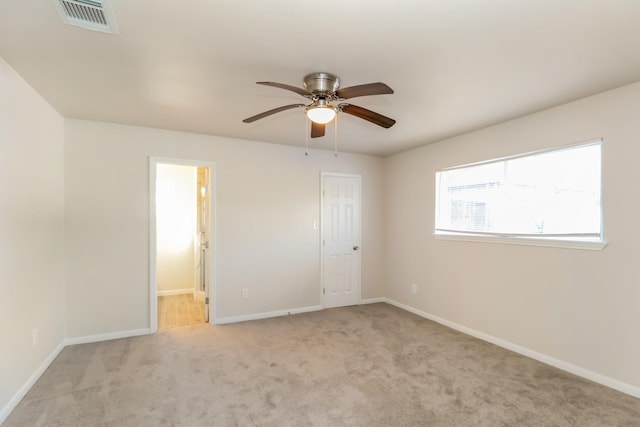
372	365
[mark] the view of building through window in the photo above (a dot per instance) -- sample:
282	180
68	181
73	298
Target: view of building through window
551	194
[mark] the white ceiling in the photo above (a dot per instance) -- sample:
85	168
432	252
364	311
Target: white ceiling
455	65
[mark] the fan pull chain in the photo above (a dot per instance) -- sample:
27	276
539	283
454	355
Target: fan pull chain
335	136
307	125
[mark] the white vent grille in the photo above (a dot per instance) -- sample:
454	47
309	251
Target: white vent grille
94	15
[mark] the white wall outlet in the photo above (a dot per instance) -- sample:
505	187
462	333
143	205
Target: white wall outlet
34	336
414	288
245	293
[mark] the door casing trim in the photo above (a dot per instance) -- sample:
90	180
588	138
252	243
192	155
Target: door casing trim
153	261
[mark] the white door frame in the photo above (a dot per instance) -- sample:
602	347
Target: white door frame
322	225
153	255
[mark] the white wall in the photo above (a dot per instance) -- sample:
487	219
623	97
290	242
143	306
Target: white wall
31	234
176	227
267	199
578	306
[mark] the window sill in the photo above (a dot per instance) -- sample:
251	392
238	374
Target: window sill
526	241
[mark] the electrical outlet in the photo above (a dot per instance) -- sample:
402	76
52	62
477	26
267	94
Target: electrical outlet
245	293
414	288
34	336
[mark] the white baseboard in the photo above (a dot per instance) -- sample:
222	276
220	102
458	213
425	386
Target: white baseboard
107	337
4	412
10	406
175	292
565	366
372	300
266	315
548	360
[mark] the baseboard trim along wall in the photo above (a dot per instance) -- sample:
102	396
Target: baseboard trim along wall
548	360
107	337
372	300
4	413
568	367
10	406
266	315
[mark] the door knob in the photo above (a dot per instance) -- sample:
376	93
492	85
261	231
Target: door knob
355	248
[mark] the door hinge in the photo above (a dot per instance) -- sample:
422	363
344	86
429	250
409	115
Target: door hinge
206	300
322	242
323	292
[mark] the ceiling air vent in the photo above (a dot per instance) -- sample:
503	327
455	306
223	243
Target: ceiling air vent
96	15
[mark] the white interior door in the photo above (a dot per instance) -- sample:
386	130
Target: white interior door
341	259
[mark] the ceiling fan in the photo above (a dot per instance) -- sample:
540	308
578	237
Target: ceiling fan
323	89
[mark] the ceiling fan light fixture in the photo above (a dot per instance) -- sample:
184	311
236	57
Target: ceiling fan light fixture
323	89
321	115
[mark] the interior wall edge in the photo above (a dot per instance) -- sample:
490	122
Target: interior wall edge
21	393
32	274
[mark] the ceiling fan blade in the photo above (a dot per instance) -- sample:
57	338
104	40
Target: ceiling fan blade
364	90
368	115
270	112
317	130
295	89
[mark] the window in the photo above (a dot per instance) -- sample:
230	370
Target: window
554	195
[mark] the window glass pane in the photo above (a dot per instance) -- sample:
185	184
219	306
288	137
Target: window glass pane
554	193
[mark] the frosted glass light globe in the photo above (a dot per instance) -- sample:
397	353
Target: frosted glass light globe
321	115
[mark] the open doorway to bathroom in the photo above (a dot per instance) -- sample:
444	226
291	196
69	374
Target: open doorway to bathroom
181	243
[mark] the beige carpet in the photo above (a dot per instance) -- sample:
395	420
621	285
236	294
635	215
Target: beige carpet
371	365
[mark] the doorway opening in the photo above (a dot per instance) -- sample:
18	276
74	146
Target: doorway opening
181	243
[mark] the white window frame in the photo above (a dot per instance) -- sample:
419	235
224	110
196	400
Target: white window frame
530	240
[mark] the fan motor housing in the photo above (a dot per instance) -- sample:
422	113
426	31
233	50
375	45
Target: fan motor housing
321	83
